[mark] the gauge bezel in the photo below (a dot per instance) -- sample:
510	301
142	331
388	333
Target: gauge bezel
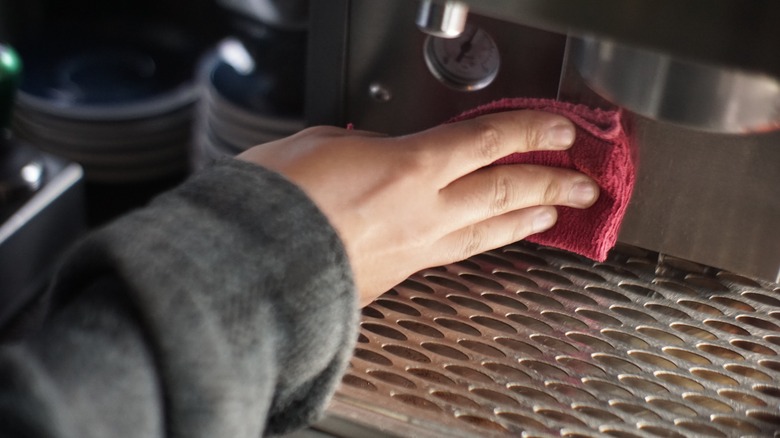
444	75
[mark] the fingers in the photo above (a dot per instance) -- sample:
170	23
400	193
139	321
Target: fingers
495	232
497	190
460	148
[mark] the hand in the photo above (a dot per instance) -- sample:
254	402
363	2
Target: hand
401	204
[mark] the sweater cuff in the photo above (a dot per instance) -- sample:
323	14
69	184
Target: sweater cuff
244	292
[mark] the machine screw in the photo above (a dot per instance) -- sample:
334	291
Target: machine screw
379	92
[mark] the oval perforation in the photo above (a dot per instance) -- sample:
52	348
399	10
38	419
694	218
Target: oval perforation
457	326
406	353
597	413
653	359
481	348
555	344
700	429
467	264
741	397
505	301
616	270
493	324
523	259
481	422
591	341
470	303
530	324
667	311
564	321
761	323
580	367
492	260
392	378
577	297
749	372
383	330
523	421
641	291
660	431
544	301
468	373
616	363
431	376
550	277
661	335
726	327
416	286
534	395
571	392
671	406
762	298
482	281
634	314
416	402
398	307
608	294
707	283
729	277
732	303
447	283
372	312
626	338
708	403
516	279
420	328
676	288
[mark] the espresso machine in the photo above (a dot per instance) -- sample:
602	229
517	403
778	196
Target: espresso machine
677	334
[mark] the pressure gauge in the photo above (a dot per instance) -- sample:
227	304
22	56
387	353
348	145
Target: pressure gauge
467	63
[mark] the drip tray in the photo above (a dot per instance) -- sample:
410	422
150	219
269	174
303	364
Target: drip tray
535	342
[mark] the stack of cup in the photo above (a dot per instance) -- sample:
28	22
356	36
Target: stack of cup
120	104
246	99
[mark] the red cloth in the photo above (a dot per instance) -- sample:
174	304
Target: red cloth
601	151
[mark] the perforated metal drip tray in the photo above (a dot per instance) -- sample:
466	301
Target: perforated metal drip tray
531	341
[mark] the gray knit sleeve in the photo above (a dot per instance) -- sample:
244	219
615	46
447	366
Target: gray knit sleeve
232	298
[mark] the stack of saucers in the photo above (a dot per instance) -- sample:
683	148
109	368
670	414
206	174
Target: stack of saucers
239	107
121	105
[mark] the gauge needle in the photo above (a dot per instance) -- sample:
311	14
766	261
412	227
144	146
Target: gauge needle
466	46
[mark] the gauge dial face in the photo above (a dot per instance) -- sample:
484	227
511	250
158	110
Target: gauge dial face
469	62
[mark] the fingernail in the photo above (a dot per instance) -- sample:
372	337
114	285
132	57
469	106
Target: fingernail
583	193
543	220
561	136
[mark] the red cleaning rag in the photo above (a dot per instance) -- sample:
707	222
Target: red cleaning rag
601	151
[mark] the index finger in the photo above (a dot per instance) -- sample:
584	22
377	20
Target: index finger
462	147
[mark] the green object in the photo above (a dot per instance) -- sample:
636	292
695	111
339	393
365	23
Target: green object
10	75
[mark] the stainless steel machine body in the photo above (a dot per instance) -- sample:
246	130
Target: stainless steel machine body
705	196
677	334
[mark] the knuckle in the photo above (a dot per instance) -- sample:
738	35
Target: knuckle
472	242
420	159
501	196
552	193
489	139
534	137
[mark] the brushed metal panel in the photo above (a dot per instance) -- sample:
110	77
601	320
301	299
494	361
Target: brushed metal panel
707	197
710	198
386	49
722	32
